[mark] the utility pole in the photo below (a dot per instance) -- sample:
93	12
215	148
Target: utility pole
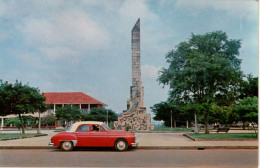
107	117
2	123
171	118
196	131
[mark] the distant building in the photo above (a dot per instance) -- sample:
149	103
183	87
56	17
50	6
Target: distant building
80	99
60	99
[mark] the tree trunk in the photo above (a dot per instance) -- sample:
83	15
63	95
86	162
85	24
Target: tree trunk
196	131
187	124
254	129
20	117
206	126
174	123
244	125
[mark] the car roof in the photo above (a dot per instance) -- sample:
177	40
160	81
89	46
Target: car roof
75	125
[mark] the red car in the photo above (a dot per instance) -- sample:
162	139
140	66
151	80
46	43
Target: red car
93	134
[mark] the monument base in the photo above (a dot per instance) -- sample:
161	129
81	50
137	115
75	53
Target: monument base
136	120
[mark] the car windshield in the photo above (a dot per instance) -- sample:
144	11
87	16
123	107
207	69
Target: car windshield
105	126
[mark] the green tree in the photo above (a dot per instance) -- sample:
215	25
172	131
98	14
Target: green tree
14	121
48	120
249	87
204	70
220	114
27	120
100	114
20	99
68	113
164	111
247	110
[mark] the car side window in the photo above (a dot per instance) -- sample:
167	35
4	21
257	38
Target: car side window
83	128
97	128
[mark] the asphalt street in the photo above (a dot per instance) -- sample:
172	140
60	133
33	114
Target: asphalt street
106	157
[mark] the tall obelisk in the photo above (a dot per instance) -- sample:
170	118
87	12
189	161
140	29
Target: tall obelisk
135	116
136	62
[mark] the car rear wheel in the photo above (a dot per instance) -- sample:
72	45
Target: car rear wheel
67	145
121	145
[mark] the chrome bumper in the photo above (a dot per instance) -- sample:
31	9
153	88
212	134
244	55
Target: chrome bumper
50	143
134	144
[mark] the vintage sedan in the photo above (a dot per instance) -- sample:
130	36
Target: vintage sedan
93	134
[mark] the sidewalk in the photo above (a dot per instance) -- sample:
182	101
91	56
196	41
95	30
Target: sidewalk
146	141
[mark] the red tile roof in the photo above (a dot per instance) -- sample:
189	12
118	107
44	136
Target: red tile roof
70	98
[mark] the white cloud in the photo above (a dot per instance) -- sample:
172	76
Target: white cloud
150	71
2	8
133	9
110	5
72	29
56	30
61	53
246	9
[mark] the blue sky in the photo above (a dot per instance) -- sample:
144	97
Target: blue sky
85	45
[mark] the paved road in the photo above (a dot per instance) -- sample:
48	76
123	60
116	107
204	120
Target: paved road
86	157
145	139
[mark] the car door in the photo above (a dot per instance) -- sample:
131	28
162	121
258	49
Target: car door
83	135
98	136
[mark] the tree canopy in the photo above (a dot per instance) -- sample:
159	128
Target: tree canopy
20	99
100	114
249	87
247	110
48	120
68	113
204	70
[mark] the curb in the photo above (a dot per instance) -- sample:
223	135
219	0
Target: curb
23	137
197	147
146	147
28	147
194	139
163	132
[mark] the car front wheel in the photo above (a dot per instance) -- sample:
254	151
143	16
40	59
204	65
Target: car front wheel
67	145
121	145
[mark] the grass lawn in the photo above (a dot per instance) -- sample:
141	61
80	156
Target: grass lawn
168	129
14	135
223	136
59	130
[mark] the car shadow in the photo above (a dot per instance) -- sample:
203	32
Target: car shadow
93	149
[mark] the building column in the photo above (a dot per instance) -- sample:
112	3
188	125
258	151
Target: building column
2	123
88	108
80	108
54	109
